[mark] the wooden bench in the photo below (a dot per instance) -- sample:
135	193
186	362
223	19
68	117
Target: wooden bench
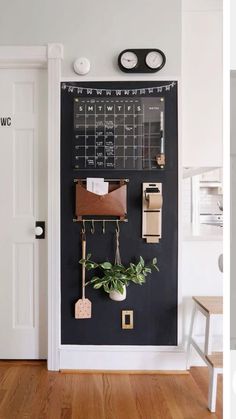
215	364
209	307
212	305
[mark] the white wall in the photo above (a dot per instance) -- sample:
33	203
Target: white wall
98	30
200	276
202	82
202	137
232	35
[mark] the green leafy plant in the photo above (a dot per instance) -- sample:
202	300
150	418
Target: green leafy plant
115	276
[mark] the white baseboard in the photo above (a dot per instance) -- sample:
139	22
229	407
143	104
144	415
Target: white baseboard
141	358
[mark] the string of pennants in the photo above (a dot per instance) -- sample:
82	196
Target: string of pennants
117	92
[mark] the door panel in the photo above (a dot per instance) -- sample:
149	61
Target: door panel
23	285
23	186
23	173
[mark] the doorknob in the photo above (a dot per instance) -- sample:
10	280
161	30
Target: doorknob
40	230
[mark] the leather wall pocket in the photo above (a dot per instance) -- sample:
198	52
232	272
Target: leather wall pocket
112	204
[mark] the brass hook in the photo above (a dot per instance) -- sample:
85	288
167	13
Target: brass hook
83	228
104	227
93	227
117	226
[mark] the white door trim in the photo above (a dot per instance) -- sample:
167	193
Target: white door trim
55	55
23	57
49	57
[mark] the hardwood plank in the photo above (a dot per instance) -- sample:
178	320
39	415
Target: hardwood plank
20	362
88	399
32	392
32	397
2	395
67	395
40	399
7	377
14	398
119	397
201	377
185	399
129	372
150	403
66	413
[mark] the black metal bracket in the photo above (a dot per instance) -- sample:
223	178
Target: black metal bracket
42	225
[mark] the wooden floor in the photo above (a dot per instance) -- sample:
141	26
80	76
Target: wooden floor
30	391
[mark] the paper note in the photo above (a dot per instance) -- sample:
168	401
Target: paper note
97	186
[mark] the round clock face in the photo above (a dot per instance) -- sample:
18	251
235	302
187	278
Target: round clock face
154	60
129	60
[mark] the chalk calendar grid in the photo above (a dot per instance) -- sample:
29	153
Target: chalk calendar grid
118	133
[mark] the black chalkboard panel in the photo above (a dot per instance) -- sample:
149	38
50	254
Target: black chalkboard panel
155	303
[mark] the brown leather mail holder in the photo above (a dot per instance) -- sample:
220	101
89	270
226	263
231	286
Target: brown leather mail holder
113	204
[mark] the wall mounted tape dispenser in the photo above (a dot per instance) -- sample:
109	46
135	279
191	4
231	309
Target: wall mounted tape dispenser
152	212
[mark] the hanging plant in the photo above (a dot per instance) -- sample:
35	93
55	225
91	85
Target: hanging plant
115	277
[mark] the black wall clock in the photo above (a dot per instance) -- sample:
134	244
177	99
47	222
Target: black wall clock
141	60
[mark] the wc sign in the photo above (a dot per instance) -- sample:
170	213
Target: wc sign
5	121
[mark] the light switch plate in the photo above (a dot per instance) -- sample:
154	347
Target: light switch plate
127	319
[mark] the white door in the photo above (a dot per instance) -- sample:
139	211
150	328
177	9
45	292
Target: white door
23	201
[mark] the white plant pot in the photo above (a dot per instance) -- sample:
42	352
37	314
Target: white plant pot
117	296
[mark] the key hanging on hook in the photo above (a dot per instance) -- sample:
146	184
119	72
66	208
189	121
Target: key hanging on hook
117	254
103	227
93	227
